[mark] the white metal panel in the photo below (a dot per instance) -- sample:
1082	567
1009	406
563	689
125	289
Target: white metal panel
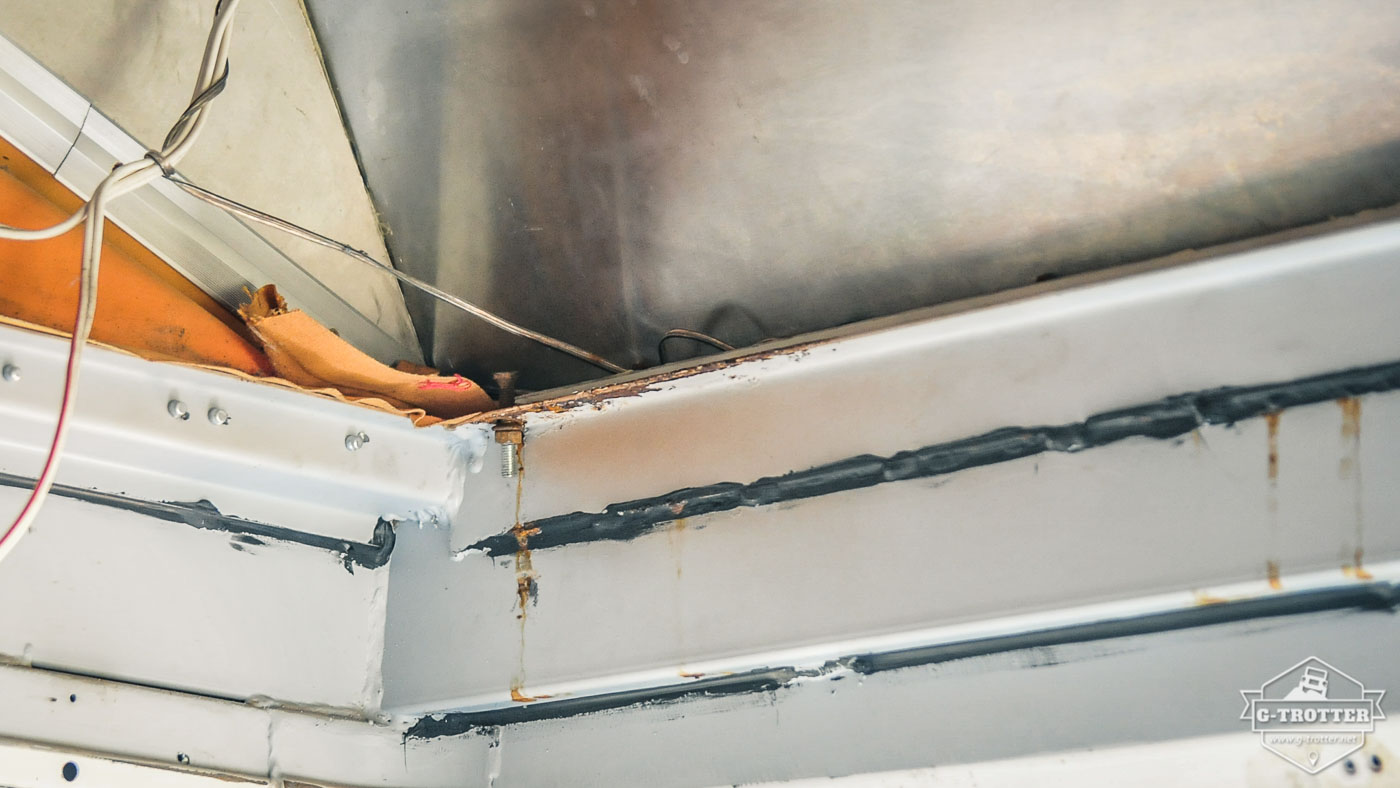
1154	688
28	766
1200	762
1147	704
1274	314
181	731
281	459
101	591
61	709
1026	544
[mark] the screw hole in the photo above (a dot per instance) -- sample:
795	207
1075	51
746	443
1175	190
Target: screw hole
1376	764
72	698
70	771
1349	766
182	758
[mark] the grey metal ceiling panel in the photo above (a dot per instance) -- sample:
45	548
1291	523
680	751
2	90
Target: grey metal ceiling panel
605	170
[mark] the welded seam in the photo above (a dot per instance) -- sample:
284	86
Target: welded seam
453	723
1381	596
1164	419
205	516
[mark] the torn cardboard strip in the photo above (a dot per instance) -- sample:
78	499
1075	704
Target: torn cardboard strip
310	355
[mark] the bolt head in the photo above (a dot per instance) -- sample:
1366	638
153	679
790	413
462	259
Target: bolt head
218	417
10	373
509	432
355	441
177	410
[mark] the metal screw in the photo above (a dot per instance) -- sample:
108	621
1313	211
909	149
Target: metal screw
505	383
177	410
510	435
10	373
218	417
355	440
510	460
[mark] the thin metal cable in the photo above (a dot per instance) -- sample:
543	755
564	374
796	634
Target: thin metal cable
442	295
694	336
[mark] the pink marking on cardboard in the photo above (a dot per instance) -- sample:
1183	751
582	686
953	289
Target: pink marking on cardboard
455	382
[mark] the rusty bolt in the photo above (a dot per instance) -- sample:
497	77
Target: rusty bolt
505	382
510	435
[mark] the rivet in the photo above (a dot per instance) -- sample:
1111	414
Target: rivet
355	441
177	410
218	417
10	373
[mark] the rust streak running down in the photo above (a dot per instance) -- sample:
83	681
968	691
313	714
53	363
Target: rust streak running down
1271	419
1350	468
1272	567
1351	417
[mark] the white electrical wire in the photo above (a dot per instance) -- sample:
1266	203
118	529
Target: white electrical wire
122	180
17	234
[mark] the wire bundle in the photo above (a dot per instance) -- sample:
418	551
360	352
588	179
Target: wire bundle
123	179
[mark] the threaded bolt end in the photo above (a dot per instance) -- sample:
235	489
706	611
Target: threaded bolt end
510	460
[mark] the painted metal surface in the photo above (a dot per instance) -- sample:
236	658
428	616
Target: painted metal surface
106	592
1072	530
1163	706
1158	688
64	133
1133	528
280	460
243	559
605	170
1200	761
1271	315
24	765
183	733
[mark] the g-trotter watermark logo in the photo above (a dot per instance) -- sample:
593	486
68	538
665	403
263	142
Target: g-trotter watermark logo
1312	714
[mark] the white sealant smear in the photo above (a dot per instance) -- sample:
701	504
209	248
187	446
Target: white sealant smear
466	456
494	751
372	693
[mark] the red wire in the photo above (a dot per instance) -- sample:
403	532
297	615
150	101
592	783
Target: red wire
65	407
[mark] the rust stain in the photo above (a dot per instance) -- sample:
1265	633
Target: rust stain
673	535
526	590
1356	570
1351	416
593	398
520	697
1271	419
526	581
1349	467
683	674
1203	598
